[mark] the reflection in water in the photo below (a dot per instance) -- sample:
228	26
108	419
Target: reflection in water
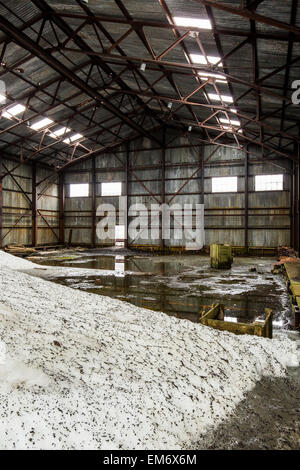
231	319
120	265
182	286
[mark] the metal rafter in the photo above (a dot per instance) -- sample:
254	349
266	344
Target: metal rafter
24	41
159	24
264	133
250	15
63	26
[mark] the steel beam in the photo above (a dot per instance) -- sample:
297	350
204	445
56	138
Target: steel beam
292	206
126	221
296	239
246	211
1	202
63	26
116	59
27	43
93	195
61	190
163	188
293	18
251	15
272	36
34	212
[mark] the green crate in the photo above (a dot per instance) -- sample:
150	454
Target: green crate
221	256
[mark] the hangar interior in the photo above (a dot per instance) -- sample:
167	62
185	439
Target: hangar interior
125	90
135	105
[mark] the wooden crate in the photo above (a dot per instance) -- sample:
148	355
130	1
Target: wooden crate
215	319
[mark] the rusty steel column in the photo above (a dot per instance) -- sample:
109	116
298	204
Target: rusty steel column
202	175
34	231
61	190
93	184
292	207
246	214
163	188
1	201
297	202
295	205
127	156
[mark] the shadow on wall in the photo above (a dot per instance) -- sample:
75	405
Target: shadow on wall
267	419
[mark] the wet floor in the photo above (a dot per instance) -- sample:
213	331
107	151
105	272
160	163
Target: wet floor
181	286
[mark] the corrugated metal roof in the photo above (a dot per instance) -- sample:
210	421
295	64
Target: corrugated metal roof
111	70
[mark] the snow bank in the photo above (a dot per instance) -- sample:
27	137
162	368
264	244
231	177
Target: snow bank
88	372
14	262
16	373
2	353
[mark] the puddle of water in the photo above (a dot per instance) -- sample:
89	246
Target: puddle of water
180	286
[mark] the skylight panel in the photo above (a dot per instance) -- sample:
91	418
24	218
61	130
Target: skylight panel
201	59
227	128
206	75
41	124
225	98
230	121
59	132
230	129
193	22
13	111
73	138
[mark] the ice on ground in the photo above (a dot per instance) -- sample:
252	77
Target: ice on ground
16	373
2	352
82	371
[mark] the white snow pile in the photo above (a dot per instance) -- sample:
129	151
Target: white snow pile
14	262
16	373
83	371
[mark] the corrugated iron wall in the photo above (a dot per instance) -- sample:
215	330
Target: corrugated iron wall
17	214
268	223
176	175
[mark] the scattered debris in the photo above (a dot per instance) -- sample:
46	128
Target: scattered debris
286	255
215	318
260	269
39	251
277	268
292	271
285	251
285	259
19	250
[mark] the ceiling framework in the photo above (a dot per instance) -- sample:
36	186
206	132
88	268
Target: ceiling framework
109	73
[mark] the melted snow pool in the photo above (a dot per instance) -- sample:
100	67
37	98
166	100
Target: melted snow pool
181	286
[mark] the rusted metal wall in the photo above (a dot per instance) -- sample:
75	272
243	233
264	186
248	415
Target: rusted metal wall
78	211
176	175
48	207
17	206
268	211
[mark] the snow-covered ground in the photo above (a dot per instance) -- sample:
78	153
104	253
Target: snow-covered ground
82	371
